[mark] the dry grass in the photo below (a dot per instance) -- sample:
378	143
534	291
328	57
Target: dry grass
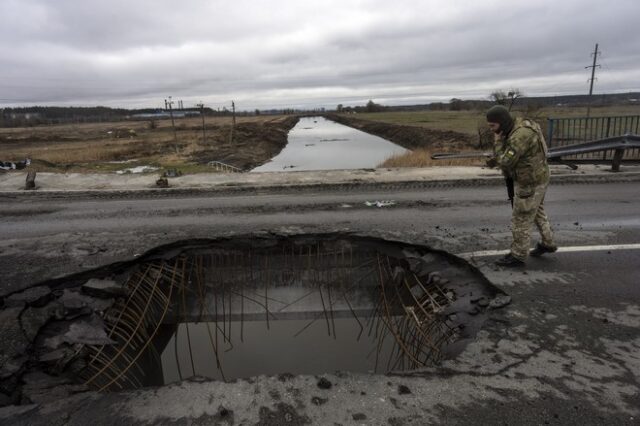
92	146
422	158
457	121
469	122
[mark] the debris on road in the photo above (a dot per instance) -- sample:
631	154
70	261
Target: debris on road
139	169
384	203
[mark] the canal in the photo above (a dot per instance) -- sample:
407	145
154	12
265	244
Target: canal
316	143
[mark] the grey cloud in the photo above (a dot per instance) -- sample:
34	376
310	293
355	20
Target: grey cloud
306	53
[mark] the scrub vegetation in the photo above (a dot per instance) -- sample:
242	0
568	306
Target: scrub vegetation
108	147
113	146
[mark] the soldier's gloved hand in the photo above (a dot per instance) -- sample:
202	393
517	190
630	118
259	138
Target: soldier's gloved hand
491	162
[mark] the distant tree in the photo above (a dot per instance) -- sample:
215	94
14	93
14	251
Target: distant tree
455	104
373	107
339	108
499	97
507	99
257	111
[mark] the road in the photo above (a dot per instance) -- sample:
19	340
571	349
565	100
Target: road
66	233
564	352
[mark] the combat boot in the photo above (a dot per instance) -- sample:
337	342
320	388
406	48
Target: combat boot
542	249
509	261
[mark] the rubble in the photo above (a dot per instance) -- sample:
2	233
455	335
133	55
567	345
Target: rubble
52	332
43	332
34	296
103	288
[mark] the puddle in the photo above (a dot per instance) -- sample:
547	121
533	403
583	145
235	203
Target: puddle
240	307
252	348
316	143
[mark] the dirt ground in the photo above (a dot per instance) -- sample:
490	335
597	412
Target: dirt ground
108	147
411	137
119	146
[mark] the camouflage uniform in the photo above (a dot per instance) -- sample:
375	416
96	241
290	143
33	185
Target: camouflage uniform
522	155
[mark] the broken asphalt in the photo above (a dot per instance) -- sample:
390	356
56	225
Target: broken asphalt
566	351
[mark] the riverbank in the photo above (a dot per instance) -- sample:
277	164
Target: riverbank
119	146
410	137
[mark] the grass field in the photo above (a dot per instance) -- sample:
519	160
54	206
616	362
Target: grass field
470	121
422	158
103	147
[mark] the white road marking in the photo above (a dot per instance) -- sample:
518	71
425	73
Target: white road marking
570	249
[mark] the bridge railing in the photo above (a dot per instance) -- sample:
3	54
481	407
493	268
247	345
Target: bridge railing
566	154
619	145
571	131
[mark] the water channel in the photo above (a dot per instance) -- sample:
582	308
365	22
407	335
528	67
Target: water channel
316	143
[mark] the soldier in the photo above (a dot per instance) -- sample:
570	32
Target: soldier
521	153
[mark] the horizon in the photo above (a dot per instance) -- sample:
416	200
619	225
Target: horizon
485	99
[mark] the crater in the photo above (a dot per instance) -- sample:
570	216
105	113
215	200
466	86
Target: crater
240	307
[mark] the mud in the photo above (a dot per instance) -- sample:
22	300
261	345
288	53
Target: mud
98	146
410	137
255	144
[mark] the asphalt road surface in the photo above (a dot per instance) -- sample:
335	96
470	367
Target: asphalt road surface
565	351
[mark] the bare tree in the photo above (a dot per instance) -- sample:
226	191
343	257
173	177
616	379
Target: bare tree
499	97
506	98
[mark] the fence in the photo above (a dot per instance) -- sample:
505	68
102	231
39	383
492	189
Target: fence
570	131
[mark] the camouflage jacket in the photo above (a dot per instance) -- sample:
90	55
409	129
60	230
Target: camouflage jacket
523	153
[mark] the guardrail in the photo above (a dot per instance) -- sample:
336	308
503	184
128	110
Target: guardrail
575	130
223	167
617	145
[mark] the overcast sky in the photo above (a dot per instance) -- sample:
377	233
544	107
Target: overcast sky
296	53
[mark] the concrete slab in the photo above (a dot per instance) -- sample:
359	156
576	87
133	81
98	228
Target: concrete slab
75	182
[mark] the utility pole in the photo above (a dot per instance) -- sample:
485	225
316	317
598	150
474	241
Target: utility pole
169	103
201	106
233	122
593	75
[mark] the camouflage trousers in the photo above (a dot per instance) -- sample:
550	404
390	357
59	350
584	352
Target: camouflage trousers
528	209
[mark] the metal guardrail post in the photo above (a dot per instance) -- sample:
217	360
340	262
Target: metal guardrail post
604	153
617	159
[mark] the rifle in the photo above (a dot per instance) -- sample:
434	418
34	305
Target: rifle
510	190
507	179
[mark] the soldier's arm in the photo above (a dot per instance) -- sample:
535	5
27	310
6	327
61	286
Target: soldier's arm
497	151
516	145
